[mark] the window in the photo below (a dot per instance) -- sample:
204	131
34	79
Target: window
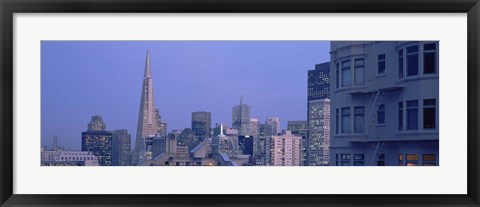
429	159
429	114
337	82
400	116
359	71
412	115
400	160
336	121
359	119
358	160
381	64
345	160
346	76
429	57
381	114
412	60
400	64
346	120
412	159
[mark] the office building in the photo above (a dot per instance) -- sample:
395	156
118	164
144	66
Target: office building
201	124
97	124
272	126
318	115
245	143
98	141
300	128
121	147
241	118
149	120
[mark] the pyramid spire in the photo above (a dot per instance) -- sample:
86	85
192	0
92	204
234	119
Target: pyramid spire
148	71
148	121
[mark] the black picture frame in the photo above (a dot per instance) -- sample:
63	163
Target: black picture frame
10	7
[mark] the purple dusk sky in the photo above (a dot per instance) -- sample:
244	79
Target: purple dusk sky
80	79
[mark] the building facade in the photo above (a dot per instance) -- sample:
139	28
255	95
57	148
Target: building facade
201	124
241	118
384	105
97	124
98	141
149	120
67	158
318	144
286	150
318	115
300	128
121	147
272	126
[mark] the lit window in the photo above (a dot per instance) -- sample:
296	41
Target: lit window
400	160
346	76
412	60
381	64
429	58
381	114
429	159
412	159
412	115
359	71
359	119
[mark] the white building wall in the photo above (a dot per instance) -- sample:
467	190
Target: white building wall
286	150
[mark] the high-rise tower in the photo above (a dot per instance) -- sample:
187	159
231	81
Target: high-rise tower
241	118
148	119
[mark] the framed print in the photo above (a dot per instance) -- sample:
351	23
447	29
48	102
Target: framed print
245	103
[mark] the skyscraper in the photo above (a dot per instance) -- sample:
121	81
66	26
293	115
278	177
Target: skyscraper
98	141
241	118
318	115
201	124
319	132
149	123
121	147
97	124
272	126
254	127
300	128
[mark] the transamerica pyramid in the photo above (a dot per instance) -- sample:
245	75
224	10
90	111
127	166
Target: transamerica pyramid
148	119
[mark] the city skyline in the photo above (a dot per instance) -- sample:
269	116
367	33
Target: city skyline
167	79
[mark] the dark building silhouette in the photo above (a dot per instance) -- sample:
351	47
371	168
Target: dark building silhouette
246	144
